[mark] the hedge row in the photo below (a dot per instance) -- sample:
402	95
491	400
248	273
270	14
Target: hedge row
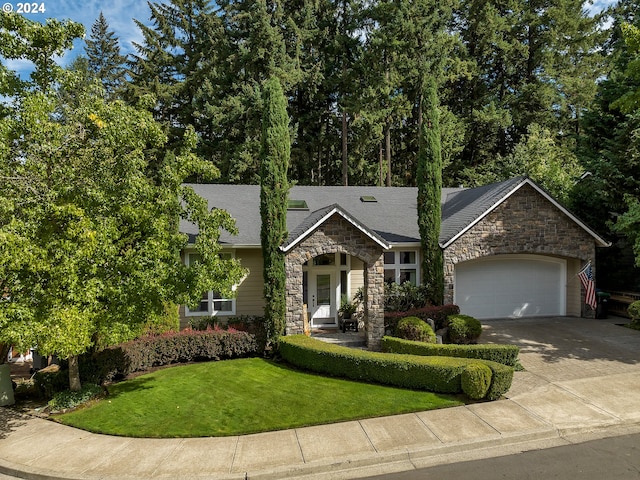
435	374
174	347
504	354
439	316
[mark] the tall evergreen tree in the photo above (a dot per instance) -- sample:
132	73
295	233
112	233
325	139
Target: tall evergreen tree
408	41
610	151
105	63
429	178
529	62
179	49
274	188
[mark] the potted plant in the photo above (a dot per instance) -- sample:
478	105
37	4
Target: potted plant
346	312
347	308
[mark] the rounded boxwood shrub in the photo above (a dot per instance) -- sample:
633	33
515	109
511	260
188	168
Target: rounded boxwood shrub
464	329
413	328
476	380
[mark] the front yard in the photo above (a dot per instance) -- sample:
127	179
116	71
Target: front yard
236	397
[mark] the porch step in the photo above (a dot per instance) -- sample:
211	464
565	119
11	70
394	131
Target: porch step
347	339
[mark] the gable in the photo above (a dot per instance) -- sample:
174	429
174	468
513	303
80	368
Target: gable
316	219
465	209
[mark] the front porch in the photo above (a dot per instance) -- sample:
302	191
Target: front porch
318	263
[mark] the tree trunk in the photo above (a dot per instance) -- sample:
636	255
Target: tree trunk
4	352
74	374
381	166
345	165
387	143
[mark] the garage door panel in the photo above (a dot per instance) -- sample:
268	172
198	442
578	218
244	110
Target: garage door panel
511	286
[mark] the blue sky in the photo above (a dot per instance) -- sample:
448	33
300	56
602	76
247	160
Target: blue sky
119	15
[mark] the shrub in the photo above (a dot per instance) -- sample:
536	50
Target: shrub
439	315
400	298
412	328
68	399
504	354
634	311
435	374
464	329
475	380
252	324
174	347
50	381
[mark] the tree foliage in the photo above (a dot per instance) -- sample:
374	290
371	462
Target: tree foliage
104	61
274	188
89	239
429	179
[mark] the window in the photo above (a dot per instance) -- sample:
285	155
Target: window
401	266
211	302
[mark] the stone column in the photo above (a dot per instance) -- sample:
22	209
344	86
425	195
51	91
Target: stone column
293	268
374	302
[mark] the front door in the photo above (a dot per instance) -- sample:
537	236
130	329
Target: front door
323	312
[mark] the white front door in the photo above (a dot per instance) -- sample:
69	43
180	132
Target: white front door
322	290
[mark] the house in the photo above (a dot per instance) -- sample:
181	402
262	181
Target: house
510	250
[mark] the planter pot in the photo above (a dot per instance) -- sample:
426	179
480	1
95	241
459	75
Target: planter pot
6	388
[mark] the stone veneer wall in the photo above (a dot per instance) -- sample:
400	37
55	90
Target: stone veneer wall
524	223
338	235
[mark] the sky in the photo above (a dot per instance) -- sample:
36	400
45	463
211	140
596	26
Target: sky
119	15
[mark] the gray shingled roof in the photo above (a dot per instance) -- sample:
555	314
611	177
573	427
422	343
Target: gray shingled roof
393	217
313	218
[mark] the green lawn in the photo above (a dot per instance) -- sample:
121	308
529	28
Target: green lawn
236	397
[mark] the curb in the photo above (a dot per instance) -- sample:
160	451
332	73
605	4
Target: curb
390	462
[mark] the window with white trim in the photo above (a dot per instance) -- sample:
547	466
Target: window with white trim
401	266
211	302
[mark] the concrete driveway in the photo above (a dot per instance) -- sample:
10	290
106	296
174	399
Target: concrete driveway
575	368
567	348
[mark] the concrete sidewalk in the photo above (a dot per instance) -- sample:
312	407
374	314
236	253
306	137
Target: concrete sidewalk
582	381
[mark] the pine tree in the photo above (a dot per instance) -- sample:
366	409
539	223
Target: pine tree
104	60
529	62
274	187
179	50
429	178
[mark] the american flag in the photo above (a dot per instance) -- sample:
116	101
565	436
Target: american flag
586	278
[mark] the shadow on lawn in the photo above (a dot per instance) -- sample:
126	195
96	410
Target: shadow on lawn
131	385
557	338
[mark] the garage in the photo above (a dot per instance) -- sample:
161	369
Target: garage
511	286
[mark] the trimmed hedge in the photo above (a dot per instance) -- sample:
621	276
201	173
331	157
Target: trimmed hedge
464	329
439	315
435	374
475	380
413	328
175	347
504	354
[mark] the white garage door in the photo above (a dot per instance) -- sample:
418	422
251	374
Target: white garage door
511	286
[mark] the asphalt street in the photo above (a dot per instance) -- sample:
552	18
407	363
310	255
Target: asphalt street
610	458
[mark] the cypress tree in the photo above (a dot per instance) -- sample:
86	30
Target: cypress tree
429	178
274	188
